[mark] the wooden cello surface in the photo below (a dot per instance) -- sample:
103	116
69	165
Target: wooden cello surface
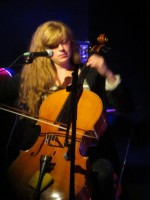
22	174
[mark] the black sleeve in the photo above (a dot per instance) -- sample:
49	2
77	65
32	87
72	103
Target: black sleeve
120	98
27	133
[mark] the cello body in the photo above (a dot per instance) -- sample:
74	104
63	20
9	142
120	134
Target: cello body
24	172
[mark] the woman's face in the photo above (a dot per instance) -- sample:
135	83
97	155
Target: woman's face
62	53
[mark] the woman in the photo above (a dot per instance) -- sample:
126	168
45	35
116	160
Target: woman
42	76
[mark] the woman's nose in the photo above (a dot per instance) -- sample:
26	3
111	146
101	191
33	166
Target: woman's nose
61	47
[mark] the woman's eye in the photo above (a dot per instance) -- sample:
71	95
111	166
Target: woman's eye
53	46
65	42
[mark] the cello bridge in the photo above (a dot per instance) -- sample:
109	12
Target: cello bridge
53	141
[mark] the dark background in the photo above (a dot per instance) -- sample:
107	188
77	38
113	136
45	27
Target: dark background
126	24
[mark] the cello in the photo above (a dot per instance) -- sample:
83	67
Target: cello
42	172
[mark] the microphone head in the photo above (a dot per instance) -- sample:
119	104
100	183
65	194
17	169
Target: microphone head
50	52
46	53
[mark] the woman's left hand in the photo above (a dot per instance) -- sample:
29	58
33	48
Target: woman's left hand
98	62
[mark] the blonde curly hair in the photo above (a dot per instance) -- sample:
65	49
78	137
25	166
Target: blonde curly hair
38	76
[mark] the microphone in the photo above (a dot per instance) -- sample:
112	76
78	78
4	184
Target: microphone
46	53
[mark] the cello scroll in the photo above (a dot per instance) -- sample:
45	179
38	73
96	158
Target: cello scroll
101	46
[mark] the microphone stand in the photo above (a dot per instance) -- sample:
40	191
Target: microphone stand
76	90
73	109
